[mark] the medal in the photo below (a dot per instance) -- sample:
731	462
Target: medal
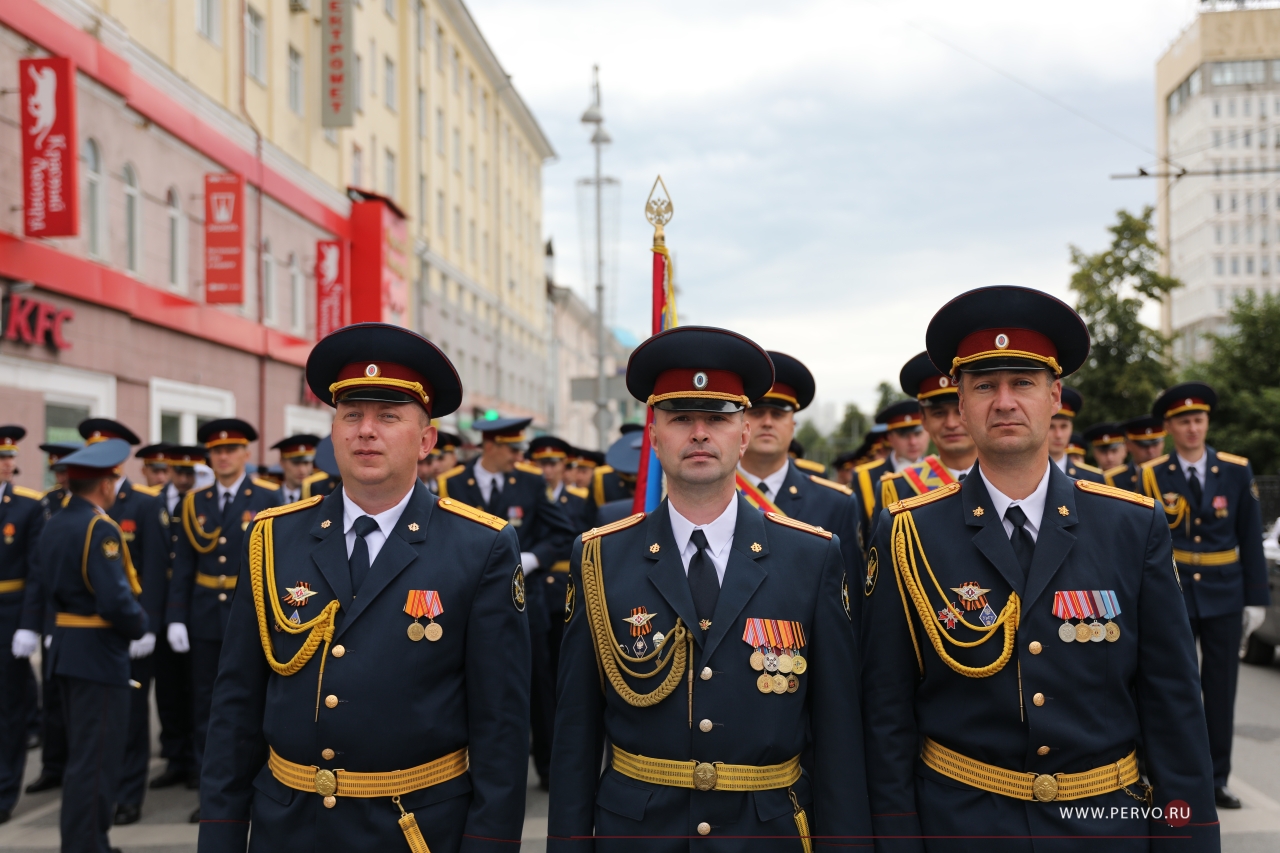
1109	606
753	636
416	632
639	647
298	595
770	662
424	602
433	631
658	637
793	684
779	684
1083	634
1096	632
798	665
784	663
788	642
1067	632
757	661
764	683
1113	631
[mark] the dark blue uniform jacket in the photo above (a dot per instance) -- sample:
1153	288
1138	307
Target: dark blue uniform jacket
544	529
21	520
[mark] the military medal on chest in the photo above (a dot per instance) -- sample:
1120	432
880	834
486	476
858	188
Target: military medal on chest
640	623
1087	604
9	531
973	597
424	602
1220	506
776	645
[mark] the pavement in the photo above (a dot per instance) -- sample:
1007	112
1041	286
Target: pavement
1253	829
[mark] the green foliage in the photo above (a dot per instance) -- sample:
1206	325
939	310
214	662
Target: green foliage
1245	371
1129	362
853	426
888	395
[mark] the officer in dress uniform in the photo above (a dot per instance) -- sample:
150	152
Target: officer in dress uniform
1106	440
498	482
1211	504
1144	439
155	465
907	441
448	444
1076	448
324	480
844	463
144	524
772	481
395	634
795	451
297	456
214	522
706	643
94	590
21	520
1060	439
609	484
623	463
582	466
1058	649
173	670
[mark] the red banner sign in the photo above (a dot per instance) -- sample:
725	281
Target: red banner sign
331	287
224	238
47	90
30	321
379	262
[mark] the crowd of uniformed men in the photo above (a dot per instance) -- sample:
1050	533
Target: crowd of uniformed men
927	651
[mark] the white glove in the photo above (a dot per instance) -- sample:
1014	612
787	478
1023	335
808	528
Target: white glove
178	638
528	562
1254	616
25	643
143	646
48	640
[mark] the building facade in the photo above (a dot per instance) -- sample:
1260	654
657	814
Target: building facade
1218	118
169	92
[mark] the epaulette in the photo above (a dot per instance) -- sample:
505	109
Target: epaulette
315	477
891	475
1113	492
865	465
831	484
152	491
266	484
1232	458
477	515
622	524
787	521
453	472
24	492
272	512
597	483
920	500
1159	460
528	468
810	465
1087	467
1110	472
577	491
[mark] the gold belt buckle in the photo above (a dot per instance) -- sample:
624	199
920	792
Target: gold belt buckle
704	776
326	783
1045	788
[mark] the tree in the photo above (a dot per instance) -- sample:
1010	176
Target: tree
888	395
853	426
1129	362
1245	371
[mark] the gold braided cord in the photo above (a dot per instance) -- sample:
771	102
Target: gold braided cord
906	542
262	573
414	388
1181	512
191	525
672	654
699	395
130	573
1050	361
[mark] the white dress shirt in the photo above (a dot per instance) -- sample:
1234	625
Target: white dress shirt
1032	505
1061	463
774	481
290	495
957	473
1198	466
232	490
374	539
899	463
719	535
172	498
553	495
488	481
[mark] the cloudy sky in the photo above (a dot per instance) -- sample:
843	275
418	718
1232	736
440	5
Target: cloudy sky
841	169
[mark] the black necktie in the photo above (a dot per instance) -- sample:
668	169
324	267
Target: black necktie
1023	545
1197	494
226	503
960	479
359	560
764	488
495	492
703	582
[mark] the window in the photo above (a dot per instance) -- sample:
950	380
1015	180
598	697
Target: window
357	84
422	113
422	202
457	228
1248	265
255	48
438	39
208	19
1217	266
1265	263
1246	104
1217	139
1235	202
1217	107
471	166
373	68
471	240
297	296
1235	265
132	220
390	167
1217	234
1235	234
484	111
1217	203
455	64
389	6
295	80
440	132
177	243
357	166
178	409
440	214
484	181
457	151
420	26
268	284
1248	140
389	88
471	91
484	250
1236	73
94	221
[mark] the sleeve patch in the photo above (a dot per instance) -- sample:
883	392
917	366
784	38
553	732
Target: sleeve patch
570	599
111	548
844	595
873	571
517	588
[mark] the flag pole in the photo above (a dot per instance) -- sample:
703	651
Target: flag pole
658	210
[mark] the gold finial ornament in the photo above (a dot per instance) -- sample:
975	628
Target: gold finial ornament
658	210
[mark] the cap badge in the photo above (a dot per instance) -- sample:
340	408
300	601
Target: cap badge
371	370
222	434
699	380
1188	402
943	382
1002	341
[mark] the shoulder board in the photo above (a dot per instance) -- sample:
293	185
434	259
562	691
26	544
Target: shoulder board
266	484
830	484
453	472
891	475
786	521
24	492
528	468
1085	467
147	490
1159	460
623	524
477	515
927	498
1232	458
316	477
288	508
577	492
1110	472
865	466
1113	492
810	465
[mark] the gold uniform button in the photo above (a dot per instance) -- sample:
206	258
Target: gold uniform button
172	555
1036	700
704	828
327	754
222	558
222	596
330	801
1044	750
706	673
550	579
339	651
1196	539
705	726
1197	522
331	701
1035	647
1196	576
222	540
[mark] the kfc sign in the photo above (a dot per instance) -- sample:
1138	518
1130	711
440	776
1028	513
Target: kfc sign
337	87
30	321
224	238
47	92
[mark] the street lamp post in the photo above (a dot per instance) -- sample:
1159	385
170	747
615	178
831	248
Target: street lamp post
599	138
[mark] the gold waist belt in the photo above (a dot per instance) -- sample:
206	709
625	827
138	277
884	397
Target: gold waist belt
75	620
1030	786
704	776
1207	558
19	584
561	566
346	783
216	581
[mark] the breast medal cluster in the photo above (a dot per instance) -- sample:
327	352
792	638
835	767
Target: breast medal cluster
296	596
419	603
1087	604
639	622
776	645
969	597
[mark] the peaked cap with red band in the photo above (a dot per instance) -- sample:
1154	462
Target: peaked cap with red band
1146	428
904	414
226	431
699	369
94	430
793	385
382	362
180	456
301	446
1103	434
154	454
10	435
1007	328
1187	397
99	459
920	379
1072	403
